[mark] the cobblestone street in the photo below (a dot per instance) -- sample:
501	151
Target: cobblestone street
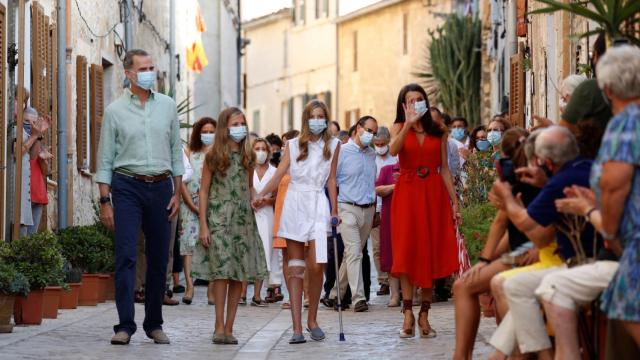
263	333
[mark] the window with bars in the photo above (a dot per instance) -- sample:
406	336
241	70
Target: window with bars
96	80
405	33
355	51
516	88
81	113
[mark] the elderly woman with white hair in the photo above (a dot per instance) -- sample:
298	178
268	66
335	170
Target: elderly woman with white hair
616	180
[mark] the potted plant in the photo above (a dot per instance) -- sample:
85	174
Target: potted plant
69	297
86	248
12	284
51	301
40	259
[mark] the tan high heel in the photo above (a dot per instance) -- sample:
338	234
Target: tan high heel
427	332
411	332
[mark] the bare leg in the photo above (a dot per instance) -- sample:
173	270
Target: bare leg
257	287
565	326
235	287
220	290
305	283
394	286
285	270
211	293
295	274
633	328
316	276
467	308
407	294
176	279
244	290
187	276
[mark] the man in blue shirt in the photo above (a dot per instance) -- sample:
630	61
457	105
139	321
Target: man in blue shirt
356	177
557	152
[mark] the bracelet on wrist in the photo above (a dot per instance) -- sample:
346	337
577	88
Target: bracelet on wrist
588	214
484	260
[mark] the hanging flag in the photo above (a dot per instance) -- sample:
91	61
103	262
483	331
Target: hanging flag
196	57
200	25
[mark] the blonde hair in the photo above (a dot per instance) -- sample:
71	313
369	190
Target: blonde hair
218	156
305	134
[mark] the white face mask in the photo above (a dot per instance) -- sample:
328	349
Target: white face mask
207	139
382	150
261	156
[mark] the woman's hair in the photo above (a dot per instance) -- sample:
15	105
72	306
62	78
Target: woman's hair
474	134
195	144
499	119
619	70
291	134
218	157
274	139
513	142
337	124
427	122
570	83
264	141
305	134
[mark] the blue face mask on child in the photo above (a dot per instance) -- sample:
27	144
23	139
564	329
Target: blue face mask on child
494	137
317	126
458	133
482	145
238	133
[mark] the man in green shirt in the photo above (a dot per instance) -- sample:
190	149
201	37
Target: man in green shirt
140	165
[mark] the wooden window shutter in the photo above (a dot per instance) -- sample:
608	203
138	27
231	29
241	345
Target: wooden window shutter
516	89
97	111
81	111
3	126
521	18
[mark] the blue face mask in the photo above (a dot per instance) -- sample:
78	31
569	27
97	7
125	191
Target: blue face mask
458	133
366	138
146	79
420	107
238	133
27	127
482	145
494	137
317	126
207	139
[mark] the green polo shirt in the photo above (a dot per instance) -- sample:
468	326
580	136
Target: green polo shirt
143	140
587	102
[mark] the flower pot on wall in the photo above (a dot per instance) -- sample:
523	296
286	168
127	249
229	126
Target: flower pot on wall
69	298
102	292
111	288
51	301
28	310
89	290
6	311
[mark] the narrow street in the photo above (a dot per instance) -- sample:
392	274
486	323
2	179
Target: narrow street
263	334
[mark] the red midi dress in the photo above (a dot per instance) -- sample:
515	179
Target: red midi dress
423	234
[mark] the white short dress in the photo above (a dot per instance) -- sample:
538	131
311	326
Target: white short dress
306	212
264	215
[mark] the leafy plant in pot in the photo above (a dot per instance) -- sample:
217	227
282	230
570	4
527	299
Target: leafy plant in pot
89	249
12	284
40	259
73	279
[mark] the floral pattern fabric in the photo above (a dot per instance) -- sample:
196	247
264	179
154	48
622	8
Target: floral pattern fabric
188	219
621	143
235	252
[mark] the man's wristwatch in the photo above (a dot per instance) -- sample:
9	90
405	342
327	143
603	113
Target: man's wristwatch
105	200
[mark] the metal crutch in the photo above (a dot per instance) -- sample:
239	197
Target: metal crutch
334	234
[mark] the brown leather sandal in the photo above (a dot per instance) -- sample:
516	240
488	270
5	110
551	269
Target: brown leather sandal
426	332
407	305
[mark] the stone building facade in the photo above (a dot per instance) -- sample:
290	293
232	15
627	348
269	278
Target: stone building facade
95	76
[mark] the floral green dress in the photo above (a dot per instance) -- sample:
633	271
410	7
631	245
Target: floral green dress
236	251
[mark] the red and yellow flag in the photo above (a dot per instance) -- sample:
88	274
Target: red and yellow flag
200	25
196	57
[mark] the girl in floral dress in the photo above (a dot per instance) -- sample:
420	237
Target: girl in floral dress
230	250
200	142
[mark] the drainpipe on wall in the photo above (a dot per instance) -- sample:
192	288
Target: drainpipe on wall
128	29
61	28
11	134
239	55
337	102
18	152
172	48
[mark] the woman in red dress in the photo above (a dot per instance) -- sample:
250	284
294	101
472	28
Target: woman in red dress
423	207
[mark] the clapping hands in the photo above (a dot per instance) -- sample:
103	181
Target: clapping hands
39	126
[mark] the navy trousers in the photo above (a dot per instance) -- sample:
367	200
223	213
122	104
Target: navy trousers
140	204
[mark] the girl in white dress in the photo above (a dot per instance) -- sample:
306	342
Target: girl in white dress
311	160
264	214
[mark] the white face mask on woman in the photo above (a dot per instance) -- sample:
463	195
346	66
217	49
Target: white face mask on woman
382	150
261	156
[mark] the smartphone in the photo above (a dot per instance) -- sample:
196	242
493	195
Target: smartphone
506	170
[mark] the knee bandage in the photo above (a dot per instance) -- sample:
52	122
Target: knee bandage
296	268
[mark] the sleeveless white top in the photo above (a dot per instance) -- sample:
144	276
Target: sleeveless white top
306	211
264	215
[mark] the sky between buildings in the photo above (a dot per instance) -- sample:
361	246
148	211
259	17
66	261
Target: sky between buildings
256	8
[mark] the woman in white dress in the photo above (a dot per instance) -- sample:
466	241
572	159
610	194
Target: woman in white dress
311	160
264	214
200	143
